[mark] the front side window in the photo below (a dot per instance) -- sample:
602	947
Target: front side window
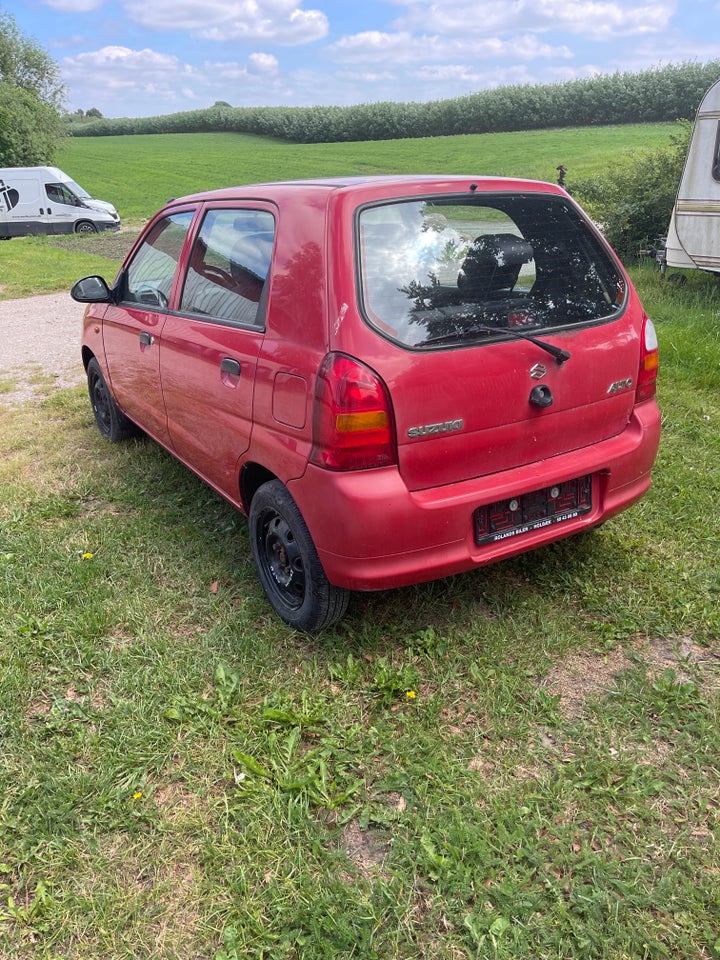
59	193
229	265
149	276
441	271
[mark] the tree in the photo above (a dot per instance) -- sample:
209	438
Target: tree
31	96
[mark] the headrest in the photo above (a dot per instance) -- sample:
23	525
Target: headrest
493	264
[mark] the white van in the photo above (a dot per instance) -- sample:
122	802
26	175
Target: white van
37	200
693	239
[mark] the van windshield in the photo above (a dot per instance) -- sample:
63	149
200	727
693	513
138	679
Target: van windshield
452	269
78	190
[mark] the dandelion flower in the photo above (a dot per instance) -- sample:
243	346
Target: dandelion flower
87	555
410	694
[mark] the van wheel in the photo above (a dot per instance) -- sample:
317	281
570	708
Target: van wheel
85	226
287	562
111	421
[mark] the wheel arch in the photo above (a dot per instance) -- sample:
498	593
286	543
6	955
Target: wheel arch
87	355
252	477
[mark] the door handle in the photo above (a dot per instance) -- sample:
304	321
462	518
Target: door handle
146	339
230	367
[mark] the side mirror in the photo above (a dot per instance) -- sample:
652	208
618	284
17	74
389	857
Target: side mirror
91	290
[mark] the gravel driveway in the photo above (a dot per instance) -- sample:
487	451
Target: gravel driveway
39	346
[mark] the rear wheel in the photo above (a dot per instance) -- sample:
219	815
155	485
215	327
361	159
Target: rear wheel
288	564
112	422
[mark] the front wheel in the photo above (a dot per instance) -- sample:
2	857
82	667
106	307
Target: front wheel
111	421
85	226
288	564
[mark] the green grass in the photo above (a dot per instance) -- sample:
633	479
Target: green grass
518	762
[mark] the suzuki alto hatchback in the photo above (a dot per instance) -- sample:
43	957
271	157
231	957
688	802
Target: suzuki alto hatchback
394	378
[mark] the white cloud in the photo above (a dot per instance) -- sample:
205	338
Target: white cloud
120	81
75	6
267	21
264	63
594	19
373	46
134	63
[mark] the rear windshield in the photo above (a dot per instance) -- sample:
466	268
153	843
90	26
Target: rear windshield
438	271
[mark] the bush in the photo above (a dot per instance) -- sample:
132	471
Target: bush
634	202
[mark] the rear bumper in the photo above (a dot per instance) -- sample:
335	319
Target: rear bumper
372	533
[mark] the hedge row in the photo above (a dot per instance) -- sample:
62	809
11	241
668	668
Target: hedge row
662	94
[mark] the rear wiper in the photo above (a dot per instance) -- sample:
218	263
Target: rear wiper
560	355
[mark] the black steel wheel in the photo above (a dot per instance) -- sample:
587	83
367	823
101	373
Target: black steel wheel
111	421
288	564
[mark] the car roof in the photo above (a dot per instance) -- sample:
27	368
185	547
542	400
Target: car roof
385	185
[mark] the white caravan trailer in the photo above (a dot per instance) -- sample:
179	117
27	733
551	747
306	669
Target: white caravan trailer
45	200
694	233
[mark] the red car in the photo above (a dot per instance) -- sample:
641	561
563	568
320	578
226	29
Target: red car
395	378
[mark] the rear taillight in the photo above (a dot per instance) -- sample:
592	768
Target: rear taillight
353	424
649	359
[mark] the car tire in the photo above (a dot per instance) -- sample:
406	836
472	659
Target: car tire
85	226
111	421
288	564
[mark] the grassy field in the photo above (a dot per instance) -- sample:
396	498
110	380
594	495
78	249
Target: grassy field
139	174
519	762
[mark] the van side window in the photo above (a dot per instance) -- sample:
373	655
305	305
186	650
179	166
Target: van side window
149	275
59	193
716	156
229	265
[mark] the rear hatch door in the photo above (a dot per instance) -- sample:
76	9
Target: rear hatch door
510	326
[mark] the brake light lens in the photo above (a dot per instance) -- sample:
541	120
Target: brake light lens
353	423
649	362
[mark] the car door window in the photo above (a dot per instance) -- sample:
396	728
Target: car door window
229	266
149	276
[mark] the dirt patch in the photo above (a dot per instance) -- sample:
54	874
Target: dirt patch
365	850
582	676
114	246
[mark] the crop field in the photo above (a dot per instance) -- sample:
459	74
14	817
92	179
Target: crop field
521	762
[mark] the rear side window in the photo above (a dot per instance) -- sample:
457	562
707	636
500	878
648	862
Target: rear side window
439	271
229	265
150	273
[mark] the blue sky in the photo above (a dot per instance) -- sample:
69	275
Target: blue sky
143	57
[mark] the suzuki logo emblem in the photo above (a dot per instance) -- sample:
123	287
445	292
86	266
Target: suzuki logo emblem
538	371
